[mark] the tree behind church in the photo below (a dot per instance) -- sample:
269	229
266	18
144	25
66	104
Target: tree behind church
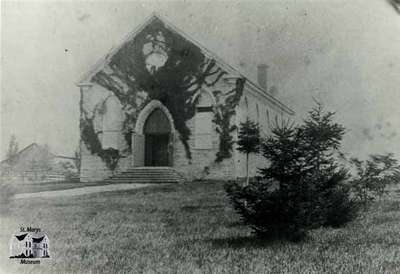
12	148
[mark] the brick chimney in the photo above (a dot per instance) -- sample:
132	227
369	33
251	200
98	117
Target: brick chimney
262	76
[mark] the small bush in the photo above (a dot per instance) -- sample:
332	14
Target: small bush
373	176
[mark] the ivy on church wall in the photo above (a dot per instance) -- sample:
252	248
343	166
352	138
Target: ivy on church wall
159	64
91	139
223	116
110	156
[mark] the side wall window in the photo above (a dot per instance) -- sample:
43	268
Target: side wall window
257	114
112	123
243	110
203	122
246	109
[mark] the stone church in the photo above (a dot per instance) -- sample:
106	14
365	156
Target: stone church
161	107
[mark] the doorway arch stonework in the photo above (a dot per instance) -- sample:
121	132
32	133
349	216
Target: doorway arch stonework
138	136
147	110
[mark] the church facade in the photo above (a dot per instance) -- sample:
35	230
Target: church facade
160	99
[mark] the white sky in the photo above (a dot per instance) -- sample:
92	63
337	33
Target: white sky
345	53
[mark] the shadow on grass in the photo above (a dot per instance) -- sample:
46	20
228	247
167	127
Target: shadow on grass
159	188
235	224
243	242
391	206
209	208
381	220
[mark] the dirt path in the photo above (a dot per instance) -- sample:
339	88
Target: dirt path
80	191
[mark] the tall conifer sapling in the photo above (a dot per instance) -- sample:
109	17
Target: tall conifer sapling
248	141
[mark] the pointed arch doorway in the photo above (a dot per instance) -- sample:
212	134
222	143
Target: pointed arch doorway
153	137
157	134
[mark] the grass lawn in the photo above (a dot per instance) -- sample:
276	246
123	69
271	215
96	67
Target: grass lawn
191	228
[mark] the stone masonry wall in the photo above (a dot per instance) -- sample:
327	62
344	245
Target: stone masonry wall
202	159
202	166
93	167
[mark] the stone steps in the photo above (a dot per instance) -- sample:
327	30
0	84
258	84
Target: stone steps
147	175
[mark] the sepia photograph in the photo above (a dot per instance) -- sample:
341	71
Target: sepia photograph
190	136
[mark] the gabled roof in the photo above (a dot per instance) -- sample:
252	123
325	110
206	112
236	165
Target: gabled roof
86	78
24	150
154	16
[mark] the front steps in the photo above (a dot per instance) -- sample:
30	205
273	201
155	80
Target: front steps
147	175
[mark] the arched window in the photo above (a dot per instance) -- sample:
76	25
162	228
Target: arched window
267	117
203	122
257	114
243	110
112	123
246	108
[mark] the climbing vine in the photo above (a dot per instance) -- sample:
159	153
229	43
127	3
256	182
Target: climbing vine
174	80
159	64
91	139
223	117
